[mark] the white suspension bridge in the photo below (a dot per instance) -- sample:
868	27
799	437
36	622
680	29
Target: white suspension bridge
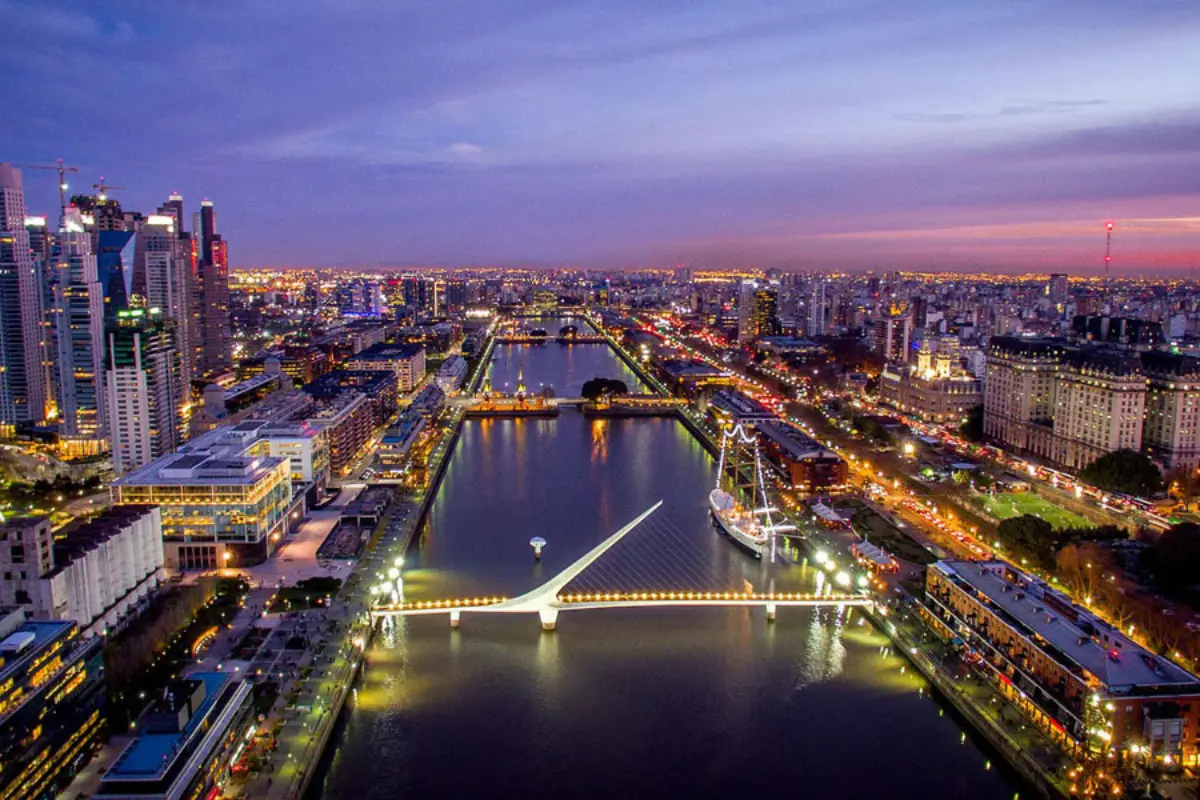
548	599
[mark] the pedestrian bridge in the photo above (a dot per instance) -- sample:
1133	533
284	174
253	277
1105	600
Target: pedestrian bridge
549	599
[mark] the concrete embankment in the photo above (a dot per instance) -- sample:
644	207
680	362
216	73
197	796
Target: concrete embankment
999	739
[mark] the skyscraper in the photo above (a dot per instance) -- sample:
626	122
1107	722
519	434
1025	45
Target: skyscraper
216	335
187	255
1058	288
766	309
145	388
164	279
891	333
23	390
758	310
817	307
745	311
78	317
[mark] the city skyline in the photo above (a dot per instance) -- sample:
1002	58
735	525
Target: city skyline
930	138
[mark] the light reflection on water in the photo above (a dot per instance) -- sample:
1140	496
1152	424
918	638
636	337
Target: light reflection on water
635	703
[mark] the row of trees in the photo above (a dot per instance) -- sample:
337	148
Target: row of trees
1036	540
47	494
872	428
596	388
1125	471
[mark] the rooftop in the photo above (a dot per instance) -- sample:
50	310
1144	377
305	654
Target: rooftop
1086	641
741	406
150	755
386	352
82	536
691	368
221	467
792	442
30	638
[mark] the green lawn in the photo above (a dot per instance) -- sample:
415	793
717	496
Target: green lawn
1015	504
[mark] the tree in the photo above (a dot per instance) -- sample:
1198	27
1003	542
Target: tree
1083	569
1184	483
596	388
872	429
1031	536
972	429
1175	557
1124	471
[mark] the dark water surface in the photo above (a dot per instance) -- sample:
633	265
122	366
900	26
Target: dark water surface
688	703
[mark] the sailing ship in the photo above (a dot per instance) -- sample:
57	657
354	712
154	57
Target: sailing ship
750	527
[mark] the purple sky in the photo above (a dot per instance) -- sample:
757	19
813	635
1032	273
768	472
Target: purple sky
829	133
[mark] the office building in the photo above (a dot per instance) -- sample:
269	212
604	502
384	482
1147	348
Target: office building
803	463
1072	404
78	328
186	253
1058	289
52	698
189	738
99	573
1019	393
451	374
348	421
407	361
928	394
758	310
1091	689
1100	403
1171	434
224	501
146	390
164	279
818	308
23	380
1118	331
216	335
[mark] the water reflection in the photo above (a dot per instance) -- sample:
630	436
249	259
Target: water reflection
624	703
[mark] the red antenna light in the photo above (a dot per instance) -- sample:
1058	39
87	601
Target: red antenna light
1108	229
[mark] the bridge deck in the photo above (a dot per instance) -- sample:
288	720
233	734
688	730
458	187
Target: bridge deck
582	602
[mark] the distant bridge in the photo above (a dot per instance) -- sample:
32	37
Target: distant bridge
548	600
526	338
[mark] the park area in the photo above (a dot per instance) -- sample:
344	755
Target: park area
1007	505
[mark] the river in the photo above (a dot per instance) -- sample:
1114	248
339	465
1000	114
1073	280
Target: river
625	703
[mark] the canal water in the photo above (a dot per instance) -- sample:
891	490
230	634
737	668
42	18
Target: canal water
640	703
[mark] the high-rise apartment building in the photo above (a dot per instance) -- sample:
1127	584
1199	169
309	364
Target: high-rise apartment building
78	325
758	310
146	391
23	389
818	307
890	336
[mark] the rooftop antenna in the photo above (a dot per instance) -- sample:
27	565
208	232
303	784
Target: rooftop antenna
1108	229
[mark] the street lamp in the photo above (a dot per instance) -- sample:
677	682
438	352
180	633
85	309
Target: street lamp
537	543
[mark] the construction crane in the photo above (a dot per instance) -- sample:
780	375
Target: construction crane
102	189
62	170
